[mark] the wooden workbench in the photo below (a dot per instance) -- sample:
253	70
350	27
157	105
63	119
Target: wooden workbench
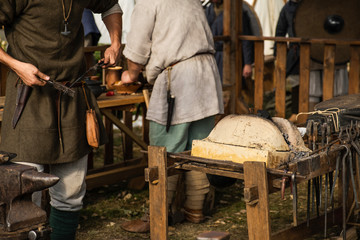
259	182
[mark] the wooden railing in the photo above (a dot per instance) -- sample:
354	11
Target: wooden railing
280	69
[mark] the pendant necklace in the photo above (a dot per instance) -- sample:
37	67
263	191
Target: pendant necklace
66	17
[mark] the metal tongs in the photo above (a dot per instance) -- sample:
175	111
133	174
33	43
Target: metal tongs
60	87
99	64
67	89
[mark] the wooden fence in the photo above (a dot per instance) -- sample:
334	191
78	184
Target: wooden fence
305	59
232	76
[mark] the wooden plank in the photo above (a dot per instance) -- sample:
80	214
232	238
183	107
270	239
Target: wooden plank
280	78
119	100
354	74
114	176
132	162
259	75
212	171
329	71
158	194
258	218
303	40
124	128
145	125
304	80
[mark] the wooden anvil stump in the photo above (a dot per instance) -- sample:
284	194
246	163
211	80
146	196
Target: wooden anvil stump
17	183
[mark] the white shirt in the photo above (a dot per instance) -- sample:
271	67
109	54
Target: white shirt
168	32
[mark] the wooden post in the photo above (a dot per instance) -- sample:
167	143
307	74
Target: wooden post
257	215
238	51
109	146
228	79
304	80
259	75
158	194
280	74
354	74
329	71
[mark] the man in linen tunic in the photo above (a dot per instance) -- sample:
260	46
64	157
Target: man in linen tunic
176	34
51	129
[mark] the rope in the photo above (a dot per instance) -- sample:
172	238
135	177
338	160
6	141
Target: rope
333	112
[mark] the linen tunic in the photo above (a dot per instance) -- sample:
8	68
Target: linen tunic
170	32
33	30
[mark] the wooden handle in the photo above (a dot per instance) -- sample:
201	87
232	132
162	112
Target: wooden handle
146	96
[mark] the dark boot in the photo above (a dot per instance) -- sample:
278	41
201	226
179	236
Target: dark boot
63	224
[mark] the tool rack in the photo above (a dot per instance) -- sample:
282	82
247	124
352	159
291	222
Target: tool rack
259	182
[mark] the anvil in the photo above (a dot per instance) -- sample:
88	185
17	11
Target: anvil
17	183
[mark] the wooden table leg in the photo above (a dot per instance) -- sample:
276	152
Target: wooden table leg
109	146
257	211
128	143
158	194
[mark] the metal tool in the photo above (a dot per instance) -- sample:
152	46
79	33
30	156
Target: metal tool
99	64
326	202
61	87
294	193
5	156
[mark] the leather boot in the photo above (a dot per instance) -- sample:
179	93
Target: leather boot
63	224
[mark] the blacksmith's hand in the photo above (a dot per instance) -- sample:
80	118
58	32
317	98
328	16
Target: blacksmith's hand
112	56
30	74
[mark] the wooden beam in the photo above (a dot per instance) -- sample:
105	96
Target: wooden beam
302	40
257	214
107	113
158	194
304	80
329	71
354	74
109	146
259	75
114	175
238	52
127	141
280	78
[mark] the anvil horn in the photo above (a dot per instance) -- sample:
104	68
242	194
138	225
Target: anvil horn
35	181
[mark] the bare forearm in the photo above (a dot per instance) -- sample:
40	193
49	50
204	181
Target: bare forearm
132	74
112	53
134	69
113	23
28	73
7	60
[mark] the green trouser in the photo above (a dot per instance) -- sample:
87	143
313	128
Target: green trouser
178	139
63	224
180	136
